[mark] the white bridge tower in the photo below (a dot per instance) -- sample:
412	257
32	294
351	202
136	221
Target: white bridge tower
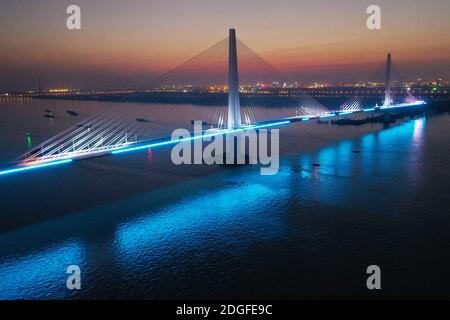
387	96
234	105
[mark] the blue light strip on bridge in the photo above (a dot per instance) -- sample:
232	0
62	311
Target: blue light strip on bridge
402	105
32	167
164	143
222	132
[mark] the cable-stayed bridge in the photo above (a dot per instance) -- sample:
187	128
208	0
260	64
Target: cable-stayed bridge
232	108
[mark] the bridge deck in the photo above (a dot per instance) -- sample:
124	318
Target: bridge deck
126	146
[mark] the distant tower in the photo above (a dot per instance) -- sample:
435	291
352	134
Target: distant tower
387	96
234	105
39	84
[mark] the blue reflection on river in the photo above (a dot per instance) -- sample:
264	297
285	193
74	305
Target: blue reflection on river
40	274
186	223
222	226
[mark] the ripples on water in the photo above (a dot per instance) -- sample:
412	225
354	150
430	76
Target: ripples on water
140	228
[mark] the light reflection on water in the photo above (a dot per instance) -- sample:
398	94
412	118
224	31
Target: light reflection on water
374	165
232	228
40	274
187	222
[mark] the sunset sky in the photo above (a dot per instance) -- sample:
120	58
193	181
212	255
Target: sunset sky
126	43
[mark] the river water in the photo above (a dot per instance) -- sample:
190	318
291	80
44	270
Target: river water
140	227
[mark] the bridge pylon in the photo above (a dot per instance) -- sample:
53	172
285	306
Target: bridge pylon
388	95
234	105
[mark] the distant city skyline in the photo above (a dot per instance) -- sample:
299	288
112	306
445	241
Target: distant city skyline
126	44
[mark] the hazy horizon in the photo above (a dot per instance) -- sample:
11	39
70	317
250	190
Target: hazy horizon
126	44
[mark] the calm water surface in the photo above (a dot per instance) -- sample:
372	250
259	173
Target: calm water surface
140	227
